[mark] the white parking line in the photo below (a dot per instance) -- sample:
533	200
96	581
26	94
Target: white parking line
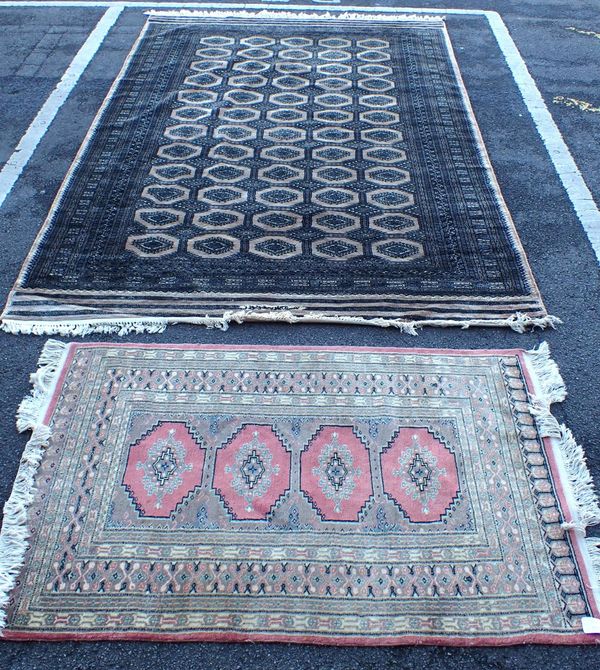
38	127
568	172
564	163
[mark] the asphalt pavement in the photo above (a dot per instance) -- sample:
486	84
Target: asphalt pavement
36	46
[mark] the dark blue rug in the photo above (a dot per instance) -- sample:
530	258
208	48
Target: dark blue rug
274	168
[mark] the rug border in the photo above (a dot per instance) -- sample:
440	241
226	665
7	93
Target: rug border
413	640
491	173
123	324
543	382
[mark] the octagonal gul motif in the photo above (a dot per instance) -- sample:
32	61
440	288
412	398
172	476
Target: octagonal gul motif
384	154
292	68
275	247
373	43
238	133
387	175
284	134
334	135
373	56
222	172
394	223
218	219
381	135
394	198
159	217
297	41
240	96
163	467
178	151
284	115
207	65
152	245
334	174
290	82
257	41
213	246
379	117
333	100
256	53
230	152
251	66
333	154
336	248
247	81
336	55
185	131
335	473
334	197
376	84
333	116
420	474
277	220
165	194
172	171
333	69
213	53
252	471
398	250
282	153
190	113
335	222
295	54
288	99
203	80
333	83
280	174
217	40
378	100
280	196
193	97
239	114
334	42
375	70
222	195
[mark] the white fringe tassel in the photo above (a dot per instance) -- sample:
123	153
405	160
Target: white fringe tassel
579	485
15	531
520	323
593	548
334	14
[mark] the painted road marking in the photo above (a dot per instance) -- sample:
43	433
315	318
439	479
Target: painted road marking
40	124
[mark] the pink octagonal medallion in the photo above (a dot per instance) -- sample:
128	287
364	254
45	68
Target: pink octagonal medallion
163	467
419	473
252	471
336	473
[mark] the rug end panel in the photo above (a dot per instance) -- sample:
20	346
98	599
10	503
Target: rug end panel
198	15
123	325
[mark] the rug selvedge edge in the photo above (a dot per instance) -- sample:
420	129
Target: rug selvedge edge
30	416
574	475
